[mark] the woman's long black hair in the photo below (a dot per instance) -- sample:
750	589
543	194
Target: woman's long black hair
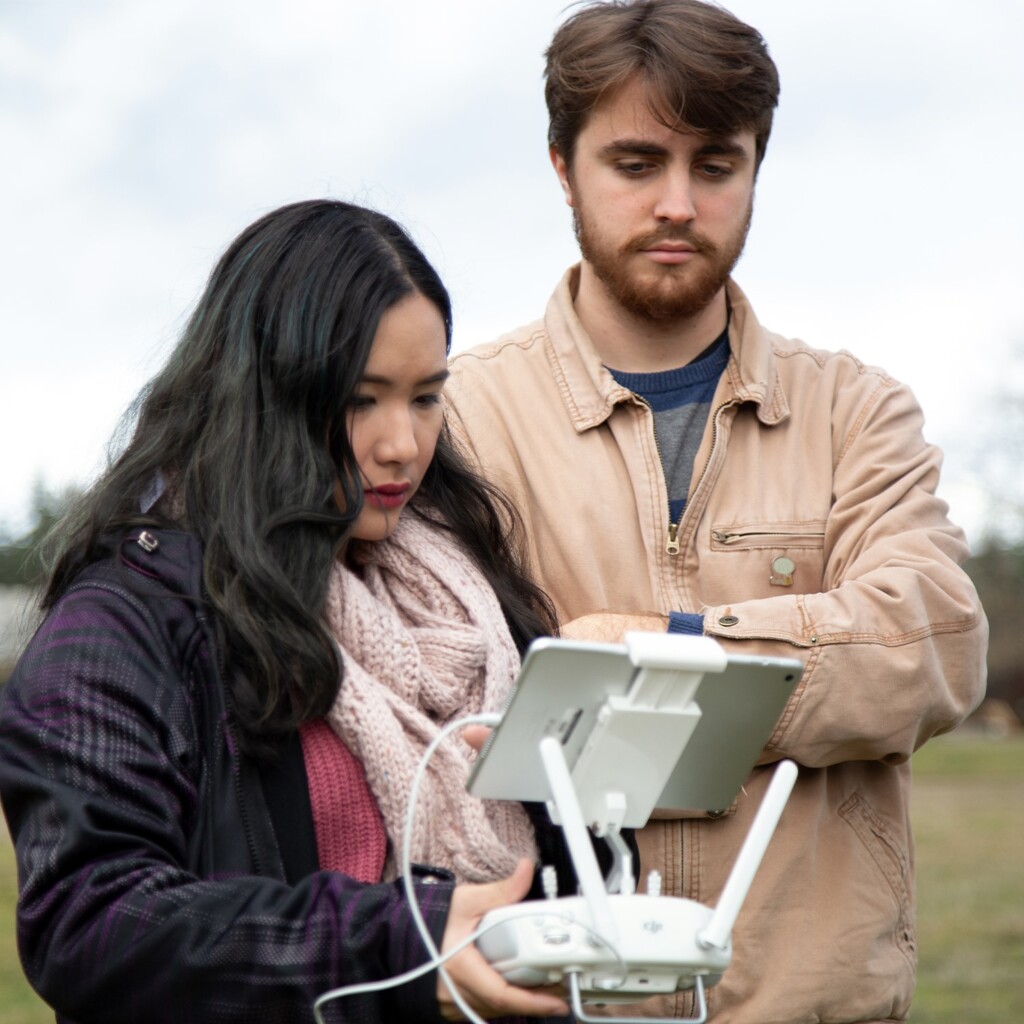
246	426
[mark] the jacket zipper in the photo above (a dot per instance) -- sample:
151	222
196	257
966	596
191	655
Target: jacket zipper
672	548
236	774
672	545
732	538
232	735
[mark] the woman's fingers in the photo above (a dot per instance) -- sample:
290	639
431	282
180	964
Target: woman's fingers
484	990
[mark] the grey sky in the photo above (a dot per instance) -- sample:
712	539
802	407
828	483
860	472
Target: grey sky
140	136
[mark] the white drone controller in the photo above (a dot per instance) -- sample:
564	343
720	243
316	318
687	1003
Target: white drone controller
657	953
611	945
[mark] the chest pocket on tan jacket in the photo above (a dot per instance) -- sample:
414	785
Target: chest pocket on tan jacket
766	559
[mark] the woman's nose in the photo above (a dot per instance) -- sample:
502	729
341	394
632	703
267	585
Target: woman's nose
398	442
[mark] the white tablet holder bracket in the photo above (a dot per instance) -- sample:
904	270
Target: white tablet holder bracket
612	944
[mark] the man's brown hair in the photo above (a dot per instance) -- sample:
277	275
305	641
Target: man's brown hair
704	69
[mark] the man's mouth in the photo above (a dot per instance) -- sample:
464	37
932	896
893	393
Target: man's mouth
670	252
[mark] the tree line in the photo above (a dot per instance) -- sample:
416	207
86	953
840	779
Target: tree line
997	569
21	554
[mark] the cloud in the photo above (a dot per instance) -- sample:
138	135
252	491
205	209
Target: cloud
142	136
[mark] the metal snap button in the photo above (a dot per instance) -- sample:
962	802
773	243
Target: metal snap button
147	542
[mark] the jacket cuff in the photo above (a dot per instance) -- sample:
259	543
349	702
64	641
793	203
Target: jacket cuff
686	622
417	1000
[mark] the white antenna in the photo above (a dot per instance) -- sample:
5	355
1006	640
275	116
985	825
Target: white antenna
716	935
580	851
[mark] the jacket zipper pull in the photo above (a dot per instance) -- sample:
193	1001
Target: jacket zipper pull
672	547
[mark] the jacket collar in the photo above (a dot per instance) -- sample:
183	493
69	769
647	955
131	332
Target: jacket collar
173	558
591	392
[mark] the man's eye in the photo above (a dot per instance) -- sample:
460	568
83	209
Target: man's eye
634	169
715	170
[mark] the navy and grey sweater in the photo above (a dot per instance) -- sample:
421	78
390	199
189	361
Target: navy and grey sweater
680	400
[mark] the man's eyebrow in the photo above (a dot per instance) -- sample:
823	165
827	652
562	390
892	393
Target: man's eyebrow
723	147
718	146
633	147
435	378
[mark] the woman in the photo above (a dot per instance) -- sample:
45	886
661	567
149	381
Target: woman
256	621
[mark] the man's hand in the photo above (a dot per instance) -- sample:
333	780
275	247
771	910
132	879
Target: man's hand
611	627
484	990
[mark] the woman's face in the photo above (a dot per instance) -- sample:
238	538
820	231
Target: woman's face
396	412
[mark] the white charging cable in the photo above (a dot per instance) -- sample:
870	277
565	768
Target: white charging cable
410	891
437	961
433	964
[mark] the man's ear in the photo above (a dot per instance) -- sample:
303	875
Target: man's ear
562	170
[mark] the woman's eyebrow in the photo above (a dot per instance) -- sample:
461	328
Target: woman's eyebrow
435	378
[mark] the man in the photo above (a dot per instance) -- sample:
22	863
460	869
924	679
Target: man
678	465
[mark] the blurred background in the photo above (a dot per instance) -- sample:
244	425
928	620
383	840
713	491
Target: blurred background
139	137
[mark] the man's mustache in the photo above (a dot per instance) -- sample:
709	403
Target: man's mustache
672	233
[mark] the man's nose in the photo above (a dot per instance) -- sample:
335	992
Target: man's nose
675	200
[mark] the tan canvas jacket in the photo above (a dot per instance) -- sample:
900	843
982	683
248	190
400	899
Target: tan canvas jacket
809	455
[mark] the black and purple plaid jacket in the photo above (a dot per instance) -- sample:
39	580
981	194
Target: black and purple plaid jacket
152	887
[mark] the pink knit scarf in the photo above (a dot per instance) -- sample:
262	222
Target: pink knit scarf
423	641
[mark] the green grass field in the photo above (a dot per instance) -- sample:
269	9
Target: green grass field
968	812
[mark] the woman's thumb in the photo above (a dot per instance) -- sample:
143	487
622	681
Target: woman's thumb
508	890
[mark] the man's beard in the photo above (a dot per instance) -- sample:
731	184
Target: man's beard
666	292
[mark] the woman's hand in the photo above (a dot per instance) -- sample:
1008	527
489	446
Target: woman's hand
476	736
484	990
